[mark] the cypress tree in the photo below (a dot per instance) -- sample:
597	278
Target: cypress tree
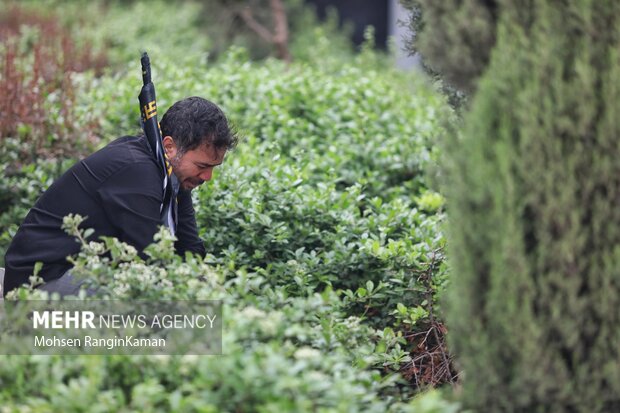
534	212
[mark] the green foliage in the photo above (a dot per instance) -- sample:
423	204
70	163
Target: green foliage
317	227
283	353
186	30
322	190
432	402
313	41
533	217
155	26
123	30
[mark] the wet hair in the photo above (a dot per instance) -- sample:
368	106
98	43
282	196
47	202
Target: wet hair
195	121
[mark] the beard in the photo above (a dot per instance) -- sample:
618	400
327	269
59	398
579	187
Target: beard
186	183
191	183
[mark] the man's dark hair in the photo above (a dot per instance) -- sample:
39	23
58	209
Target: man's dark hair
195	121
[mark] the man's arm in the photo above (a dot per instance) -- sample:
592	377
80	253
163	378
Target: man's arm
187	232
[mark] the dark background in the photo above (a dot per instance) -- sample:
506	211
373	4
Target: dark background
360	13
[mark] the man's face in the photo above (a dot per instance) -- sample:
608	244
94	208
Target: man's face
195	166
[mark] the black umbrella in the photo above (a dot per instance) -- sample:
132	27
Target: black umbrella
148	110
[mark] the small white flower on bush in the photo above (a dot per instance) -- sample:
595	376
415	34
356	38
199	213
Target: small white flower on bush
305	353
352	322
95	247
120	276
204	294
138	267
144	277
317	377
254	318
189	358
270	324
128	252
166	284
193	284
93	261
161	358
121	289
252	313
184	270
161	273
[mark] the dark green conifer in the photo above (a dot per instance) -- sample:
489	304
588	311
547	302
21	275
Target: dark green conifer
534	206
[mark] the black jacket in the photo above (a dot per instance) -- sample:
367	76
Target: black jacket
119	189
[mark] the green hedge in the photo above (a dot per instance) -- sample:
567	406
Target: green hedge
534	221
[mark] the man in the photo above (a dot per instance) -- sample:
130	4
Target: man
120	190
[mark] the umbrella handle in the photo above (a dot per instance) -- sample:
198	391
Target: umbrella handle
146	68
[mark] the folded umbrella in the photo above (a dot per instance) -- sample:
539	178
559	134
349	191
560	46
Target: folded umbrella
152	131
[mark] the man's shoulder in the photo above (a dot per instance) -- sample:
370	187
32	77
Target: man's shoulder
125	152
127	148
